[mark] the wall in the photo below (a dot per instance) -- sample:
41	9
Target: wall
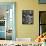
28	31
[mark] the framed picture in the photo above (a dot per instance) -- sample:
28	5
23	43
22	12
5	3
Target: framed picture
27	16
42	1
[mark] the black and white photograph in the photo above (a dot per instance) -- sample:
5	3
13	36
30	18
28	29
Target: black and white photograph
27	16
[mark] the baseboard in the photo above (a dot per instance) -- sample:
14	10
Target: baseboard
24	39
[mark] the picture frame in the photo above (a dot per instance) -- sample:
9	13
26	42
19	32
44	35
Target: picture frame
27	16
42	1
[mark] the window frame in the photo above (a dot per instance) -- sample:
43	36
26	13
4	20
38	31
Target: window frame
39	23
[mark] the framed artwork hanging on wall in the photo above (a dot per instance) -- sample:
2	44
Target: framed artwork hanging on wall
27	16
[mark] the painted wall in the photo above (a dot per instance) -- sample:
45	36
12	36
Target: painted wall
28	31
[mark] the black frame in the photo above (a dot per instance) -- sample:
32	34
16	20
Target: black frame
26	13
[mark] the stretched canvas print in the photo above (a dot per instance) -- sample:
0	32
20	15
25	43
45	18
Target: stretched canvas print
7	21
27	17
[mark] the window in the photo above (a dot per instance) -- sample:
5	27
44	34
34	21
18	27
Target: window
7	21
42	1
42	22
